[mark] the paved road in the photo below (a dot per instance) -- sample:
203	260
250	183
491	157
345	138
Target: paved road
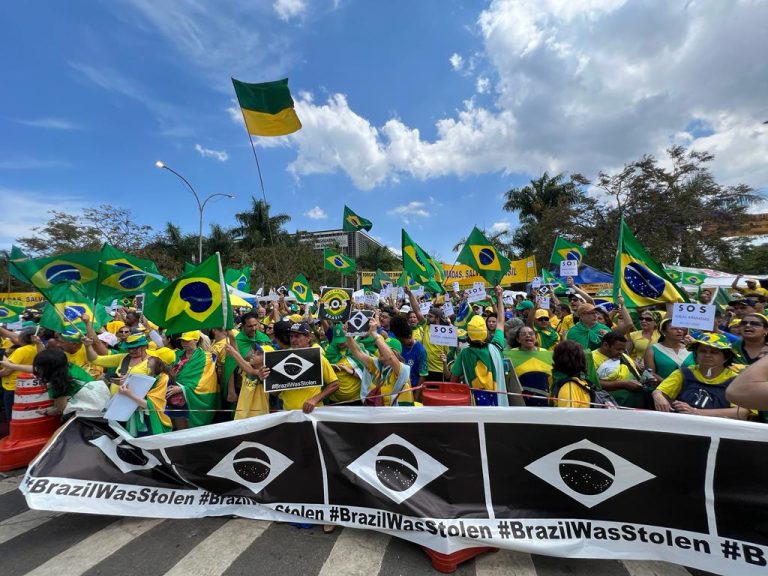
51	544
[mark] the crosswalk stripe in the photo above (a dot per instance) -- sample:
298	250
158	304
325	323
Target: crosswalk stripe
220	549
21	523
505	563
87	553
356	552
653	568
9	484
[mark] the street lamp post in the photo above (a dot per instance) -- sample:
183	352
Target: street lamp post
200	206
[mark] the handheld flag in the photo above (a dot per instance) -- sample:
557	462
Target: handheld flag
267	108
379	279
551	280
353	222
301	289
43	273
9	313
565	250
121	273
638	277
239	278
67	302
480	255
194	301
418	264
337	261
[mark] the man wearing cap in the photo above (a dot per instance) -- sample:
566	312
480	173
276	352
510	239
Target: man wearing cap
434	351
195	376
348	369
71	342
742	306
307	399
588	331
546	336
752	289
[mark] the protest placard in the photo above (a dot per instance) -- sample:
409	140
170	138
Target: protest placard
293	368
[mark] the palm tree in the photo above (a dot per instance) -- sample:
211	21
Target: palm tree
221	241
542	193
257	228
497	239
378	257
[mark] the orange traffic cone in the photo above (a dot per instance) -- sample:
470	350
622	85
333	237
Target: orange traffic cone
29	430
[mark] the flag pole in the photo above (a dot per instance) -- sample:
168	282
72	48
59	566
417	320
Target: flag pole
224	293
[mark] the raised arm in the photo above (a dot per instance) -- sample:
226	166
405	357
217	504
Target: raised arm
579	291
750	388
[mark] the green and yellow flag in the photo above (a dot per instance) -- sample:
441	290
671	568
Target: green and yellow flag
379	279
67	302
43	273
551	280
480	255
337	261
9	313
638	277
301	289
565	250
194	301
353	222
122	274
420	266
267	108
239	278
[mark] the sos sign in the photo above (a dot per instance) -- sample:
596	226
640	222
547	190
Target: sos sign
690	315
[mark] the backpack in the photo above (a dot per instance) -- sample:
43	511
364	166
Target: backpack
598	397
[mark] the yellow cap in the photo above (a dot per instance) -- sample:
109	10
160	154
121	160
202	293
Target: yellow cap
191	335
477	331
165	354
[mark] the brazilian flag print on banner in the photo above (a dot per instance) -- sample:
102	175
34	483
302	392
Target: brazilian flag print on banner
10	313
337	261
267	108
301	290
565	250
480	255
239	278
638	277
43	273
194	301
353	222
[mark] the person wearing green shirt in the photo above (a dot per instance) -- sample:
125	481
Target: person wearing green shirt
588	331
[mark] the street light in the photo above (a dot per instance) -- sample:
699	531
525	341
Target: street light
200	206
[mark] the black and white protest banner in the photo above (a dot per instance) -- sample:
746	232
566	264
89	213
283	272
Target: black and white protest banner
293	368
357	325
335	304
612	484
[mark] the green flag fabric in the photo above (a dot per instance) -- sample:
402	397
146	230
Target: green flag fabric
194	301
337	261
301	289
353	222
43	273
416	262
10	313
239	278
638	277
565	250
67	302
197	378
551	280
483	258
379	279
188	267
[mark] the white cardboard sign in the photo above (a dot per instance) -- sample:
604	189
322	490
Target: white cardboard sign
476	293
424	307
448	309
456	287
536	282
543	302
569	268
443	335
689	315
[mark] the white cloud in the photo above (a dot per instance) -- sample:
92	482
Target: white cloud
503	226
457	62
287	9
50	123
220	155
482	85
410	211
316	213
25	209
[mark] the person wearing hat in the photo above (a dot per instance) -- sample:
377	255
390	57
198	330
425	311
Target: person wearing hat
587	331
71	342
669	353
546	336
24	353
481	365
752	289
434	351
195	394
742	306
133	361
348	369
386	378
701	389
307	399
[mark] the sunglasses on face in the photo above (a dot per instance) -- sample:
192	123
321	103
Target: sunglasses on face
751	323
646	319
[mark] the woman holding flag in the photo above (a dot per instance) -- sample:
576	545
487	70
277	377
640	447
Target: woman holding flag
194	397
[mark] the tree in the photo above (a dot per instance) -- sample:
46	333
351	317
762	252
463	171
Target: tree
65	232
378	257
257	228
222	241
499	240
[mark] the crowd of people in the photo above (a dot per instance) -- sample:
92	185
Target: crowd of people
573	353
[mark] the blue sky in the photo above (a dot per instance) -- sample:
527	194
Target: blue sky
416	114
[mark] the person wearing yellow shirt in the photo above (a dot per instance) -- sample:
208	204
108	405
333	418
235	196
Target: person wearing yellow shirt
307	399
24	353
252	399
752	289
435	352
134	361
348	369
71	342
701	389
570	363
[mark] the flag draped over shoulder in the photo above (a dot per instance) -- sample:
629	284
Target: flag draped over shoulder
480	255
565	250
201	390
267	108
9	313
67	302
194	301
337	261
239	278
638	277
301	289
420	266
43	273
353	222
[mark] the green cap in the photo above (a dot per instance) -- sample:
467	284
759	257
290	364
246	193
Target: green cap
339	336
524	305
394	343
